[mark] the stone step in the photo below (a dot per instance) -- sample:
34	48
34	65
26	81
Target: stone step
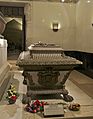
5	76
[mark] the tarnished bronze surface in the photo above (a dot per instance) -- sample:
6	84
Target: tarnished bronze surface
48	61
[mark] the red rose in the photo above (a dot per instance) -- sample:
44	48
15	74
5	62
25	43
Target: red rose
13	97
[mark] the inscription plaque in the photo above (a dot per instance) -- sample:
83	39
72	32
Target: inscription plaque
53	110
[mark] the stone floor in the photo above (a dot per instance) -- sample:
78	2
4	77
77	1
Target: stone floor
16	111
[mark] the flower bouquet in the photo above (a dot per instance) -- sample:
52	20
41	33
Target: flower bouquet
12	94
36	106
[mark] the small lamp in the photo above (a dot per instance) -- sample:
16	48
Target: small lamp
55	26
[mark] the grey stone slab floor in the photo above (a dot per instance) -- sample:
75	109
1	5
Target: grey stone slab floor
16	111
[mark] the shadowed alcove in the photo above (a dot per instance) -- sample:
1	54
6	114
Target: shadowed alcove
13	34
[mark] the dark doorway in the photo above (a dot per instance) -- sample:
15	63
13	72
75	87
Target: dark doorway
15	30
13	34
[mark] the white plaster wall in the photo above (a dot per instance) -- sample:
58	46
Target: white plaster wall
40	16
76	20
3	52
84	28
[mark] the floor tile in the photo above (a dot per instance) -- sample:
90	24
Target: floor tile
16	111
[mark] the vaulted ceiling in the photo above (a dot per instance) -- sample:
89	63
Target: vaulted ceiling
64	1
4	3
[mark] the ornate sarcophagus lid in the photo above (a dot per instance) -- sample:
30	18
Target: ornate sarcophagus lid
42	56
